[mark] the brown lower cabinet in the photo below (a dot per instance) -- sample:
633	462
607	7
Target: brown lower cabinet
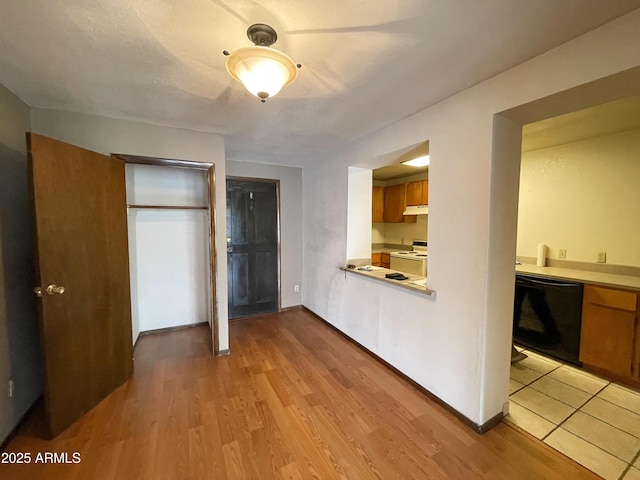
380	259
609	338
385	260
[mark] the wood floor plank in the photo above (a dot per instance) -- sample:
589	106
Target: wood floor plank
294	400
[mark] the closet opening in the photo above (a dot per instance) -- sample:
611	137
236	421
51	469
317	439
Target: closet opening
172	254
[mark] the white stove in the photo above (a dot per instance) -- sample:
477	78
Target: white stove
411	261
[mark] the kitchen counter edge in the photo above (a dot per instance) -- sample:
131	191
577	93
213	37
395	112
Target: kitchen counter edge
584	276
380	273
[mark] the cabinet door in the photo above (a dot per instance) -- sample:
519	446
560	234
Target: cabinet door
385	260
377	205
418	193
376	259
414	193
395	203
425	193
394	198
608	330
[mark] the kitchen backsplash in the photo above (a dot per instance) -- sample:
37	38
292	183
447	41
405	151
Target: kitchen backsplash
400	233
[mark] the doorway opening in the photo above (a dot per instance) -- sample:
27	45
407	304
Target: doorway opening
552	169
253	246
179	200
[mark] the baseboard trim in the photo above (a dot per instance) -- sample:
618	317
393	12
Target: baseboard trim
18	425
294	307
170	329
258	315
479	428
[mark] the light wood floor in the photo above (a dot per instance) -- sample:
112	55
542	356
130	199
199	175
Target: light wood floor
294	400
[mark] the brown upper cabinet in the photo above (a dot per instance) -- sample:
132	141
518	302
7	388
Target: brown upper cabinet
377	205
418	193
395	203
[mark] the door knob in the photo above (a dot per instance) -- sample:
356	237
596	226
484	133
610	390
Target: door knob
230	249
51	289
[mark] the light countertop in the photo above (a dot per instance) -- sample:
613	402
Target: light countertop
584	276
378	273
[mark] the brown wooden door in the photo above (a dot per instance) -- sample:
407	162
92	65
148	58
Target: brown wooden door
81	245
252	248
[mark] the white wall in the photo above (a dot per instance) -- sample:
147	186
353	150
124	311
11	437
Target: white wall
583	197
166	186
405	233
290	222
456	344
108	135
19	340
169	255
359	213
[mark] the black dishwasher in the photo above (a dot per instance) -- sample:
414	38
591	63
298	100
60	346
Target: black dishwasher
547	315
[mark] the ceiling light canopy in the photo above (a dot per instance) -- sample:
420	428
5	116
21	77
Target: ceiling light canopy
418	162
263	70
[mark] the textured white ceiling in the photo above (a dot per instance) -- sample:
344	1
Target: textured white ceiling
605	119
366	63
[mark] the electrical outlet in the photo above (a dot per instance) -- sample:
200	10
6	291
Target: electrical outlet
602	257
562	253
296	288
12	387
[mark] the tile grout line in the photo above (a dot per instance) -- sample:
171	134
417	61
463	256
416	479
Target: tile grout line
558	400
591	443
609	424
578	388
629	465
620	406
624	471
589	376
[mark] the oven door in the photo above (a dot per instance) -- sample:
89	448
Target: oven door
412	266
547	315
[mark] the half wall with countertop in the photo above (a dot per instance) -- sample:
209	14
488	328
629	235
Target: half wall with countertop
456	344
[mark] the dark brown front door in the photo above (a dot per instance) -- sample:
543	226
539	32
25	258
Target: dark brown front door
81	245
252	247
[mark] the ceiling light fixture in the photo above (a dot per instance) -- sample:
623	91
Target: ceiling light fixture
418	162
262	70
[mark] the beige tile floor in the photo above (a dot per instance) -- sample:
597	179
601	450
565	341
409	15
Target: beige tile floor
591	420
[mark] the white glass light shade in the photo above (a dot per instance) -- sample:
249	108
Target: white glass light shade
262	70
418	162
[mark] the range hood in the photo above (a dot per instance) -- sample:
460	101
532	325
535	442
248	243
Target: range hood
416	210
